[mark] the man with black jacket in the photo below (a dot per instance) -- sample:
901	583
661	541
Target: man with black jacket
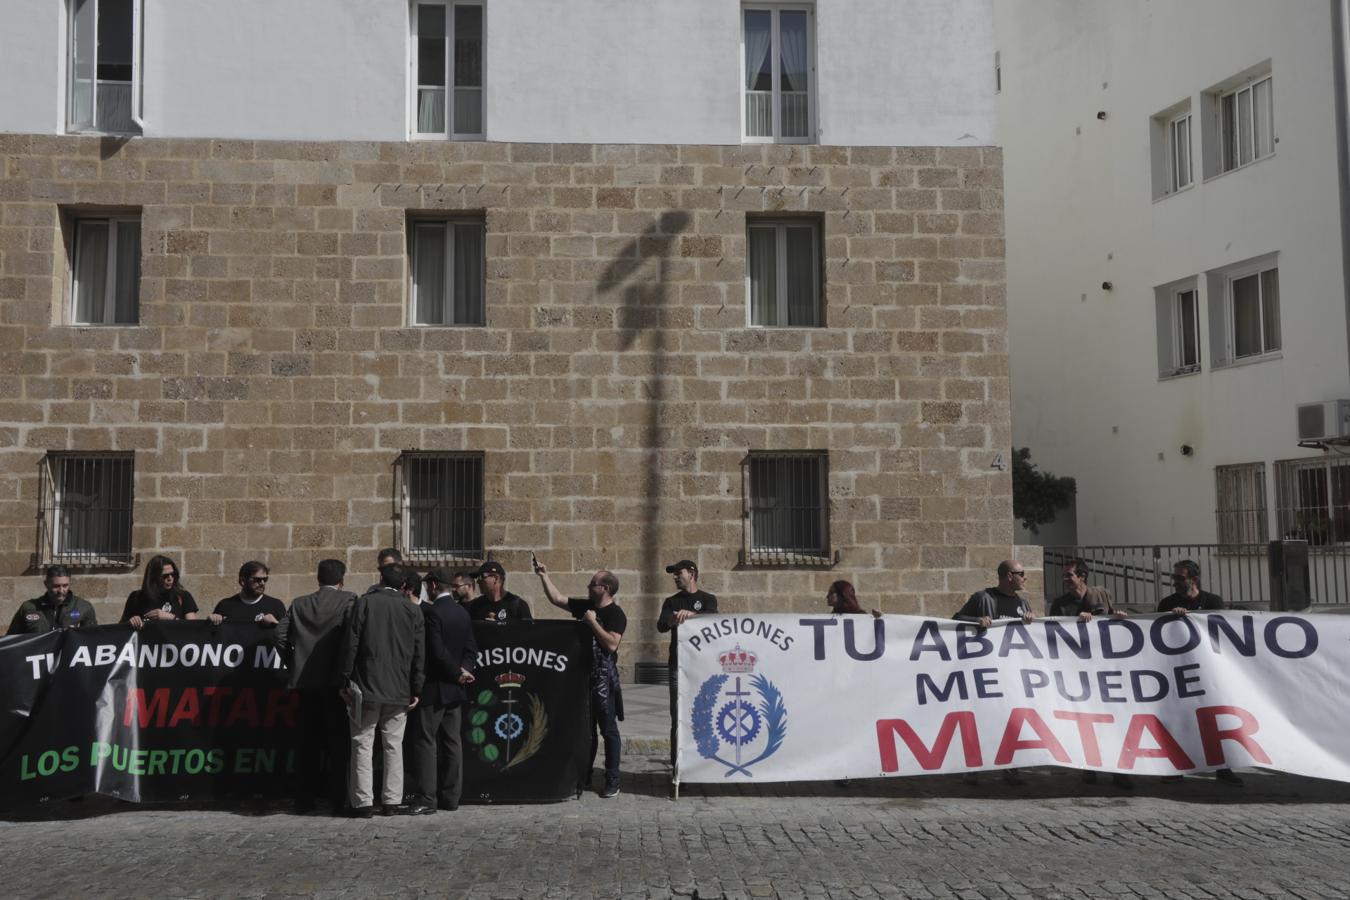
55	610
496	604
688	601
383	671
310	636
437	771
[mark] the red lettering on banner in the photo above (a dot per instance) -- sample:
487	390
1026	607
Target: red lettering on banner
1012	735
1167	747
1212	736
142	713
928	759
1087	734
188	709
282	706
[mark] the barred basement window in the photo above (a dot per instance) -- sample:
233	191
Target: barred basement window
1241	507
85	513
447	271
787	508
1312	497
441	496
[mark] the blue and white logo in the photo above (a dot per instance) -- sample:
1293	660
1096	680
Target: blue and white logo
739	717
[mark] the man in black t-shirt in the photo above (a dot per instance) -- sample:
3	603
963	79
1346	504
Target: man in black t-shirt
687	603
607	623
1188	596
251	604
496	603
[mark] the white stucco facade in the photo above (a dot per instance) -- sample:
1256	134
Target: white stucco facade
889	72
1082	83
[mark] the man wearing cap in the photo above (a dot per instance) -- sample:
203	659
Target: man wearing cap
436	768
55	610
686	603
496	603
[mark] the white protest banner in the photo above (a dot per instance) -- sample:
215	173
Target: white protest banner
792	698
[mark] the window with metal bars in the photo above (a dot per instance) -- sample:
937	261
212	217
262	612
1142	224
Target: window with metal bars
1312	498
85	508
442	505
1241	503
787	508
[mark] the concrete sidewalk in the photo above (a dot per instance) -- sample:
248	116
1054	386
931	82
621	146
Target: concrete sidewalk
646	721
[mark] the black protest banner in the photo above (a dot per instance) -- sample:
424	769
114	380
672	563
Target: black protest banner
181	711
527	718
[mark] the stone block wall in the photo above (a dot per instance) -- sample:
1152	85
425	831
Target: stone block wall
616	389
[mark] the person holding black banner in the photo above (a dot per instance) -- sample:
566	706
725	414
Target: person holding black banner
496	603
607	623
383	670
251	604
161	598
999	602
686	603
57	609
310	636
436	772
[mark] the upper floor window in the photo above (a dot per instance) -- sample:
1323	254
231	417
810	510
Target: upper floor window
447	69
783	272
1178	329
1246	124
1244	310
778	53
104	66
1179	153
106	270
447	272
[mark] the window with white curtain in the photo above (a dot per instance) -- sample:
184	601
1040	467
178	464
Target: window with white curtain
783	272
103	71
447	271
1246	124
778	65
787	507
106	270
447	70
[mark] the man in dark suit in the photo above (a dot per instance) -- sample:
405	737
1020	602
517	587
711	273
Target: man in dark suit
437	770
310	636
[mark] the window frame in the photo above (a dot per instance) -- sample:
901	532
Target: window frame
1245	517
448	248
1179	364
136	85
775	92
780	225
1174	183
1247	87
796	557
413	60
1230	311
110	221
1320	526
53	509
405	524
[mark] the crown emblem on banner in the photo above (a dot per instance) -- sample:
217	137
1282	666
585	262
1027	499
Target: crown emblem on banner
510	680
736	660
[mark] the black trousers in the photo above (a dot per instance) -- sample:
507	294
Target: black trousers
437	770
605	727
324	746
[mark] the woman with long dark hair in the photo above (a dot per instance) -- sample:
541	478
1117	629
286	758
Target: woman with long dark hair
161	597
843	600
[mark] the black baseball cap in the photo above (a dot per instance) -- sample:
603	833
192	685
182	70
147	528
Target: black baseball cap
491	566
683	564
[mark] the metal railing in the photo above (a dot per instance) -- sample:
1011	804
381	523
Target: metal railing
1141	575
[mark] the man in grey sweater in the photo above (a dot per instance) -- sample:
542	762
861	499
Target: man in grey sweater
382	671
310	637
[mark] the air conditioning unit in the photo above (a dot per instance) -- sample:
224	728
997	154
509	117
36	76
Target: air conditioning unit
1323	421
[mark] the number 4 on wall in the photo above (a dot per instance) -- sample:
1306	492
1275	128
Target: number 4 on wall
999	462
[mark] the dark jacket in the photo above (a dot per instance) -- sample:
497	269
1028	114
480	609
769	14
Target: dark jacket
1203	600
40	615
509	609
450	648
385	654
311	636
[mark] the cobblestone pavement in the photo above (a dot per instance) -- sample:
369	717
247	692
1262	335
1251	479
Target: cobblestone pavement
917	837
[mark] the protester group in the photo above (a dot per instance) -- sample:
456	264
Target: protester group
396	659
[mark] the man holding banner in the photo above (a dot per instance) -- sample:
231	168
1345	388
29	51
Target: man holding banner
56	609
686	603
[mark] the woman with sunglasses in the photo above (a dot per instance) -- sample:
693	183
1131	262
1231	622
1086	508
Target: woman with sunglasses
161	597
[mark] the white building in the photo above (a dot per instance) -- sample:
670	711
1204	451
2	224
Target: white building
1175	184
519	70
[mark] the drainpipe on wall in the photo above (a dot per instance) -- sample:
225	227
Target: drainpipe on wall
1340	30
